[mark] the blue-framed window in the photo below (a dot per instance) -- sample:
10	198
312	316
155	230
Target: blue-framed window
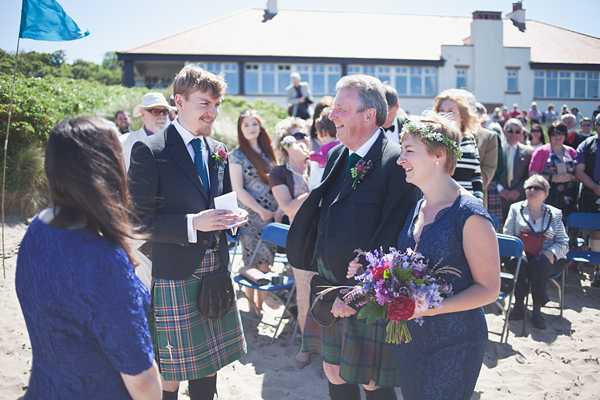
566	84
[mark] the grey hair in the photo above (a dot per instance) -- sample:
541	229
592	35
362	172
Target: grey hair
513	121
371	94
537	178
294	76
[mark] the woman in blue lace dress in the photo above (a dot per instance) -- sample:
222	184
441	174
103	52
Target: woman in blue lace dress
84	307
448	226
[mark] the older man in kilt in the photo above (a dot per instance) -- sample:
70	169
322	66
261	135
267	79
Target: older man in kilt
174	177
344	213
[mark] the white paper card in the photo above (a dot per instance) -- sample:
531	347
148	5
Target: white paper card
228	202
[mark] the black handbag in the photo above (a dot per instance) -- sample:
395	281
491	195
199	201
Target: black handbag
321	307
215	295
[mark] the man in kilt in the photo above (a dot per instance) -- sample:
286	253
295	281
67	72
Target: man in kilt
345	213
174	177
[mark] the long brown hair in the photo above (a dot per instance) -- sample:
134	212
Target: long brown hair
87	181
264	142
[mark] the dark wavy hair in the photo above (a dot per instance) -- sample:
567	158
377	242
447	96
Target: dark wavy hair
264	142
537	126
326	101
87	181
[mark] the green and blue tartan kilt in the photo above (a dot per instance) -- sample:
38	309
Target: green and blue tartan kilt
359	349
187	345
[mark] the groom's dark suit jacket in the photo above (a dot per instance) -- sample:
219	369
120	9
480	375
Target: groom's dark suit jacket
165	187
336	219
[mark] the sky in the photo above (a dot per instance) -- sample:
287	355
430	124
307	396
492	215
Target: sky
117	25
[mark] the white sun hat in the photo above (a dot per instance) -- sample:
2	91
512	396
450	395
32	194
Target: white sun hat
152	99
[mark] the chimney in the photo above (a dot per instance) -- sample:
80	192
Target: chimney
518	16
270	11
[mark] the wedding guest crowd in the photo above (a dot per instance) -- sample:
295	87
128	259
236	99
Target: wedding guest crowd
356	172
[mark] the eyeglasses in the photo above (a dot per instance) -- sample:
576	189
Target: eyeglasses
536	188
300	135
516	132
586	125
536	130
158	111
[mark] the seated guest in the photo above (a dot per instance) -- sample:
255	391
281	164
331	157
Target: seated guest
517	157
587	170
535	216
550	115
535	137
327	135
555	162
290	188
326	101
84	307
249	166
534	115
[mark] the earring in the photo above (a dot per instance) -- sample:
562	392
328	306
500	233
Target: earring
437	163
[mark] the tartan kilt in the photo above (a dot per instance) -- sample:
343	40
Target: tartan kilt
495	202
187	345
359	349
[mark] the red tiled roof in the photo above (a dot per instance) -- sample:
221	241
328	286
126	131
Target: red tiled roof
323	34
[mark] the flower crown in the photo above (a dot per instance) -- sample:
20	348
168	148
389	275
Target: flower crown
429	134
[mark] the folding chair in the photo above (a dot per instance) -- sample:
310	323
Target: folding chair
275	233
234	245
509	246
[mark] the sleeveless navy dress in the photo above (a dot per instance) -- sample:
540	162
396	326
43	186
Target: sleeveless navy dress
444	358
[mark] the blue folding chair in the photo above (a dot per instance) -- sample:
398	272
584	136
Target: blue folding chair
509	246
275	233
234	247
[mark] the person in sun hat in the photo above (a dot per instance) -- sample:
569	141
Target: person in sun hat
154	112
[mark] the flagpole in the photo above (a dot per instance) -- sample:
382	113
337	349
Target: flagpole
12	95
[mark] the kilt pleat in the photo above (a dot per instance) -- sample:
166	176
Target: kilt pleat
359	349
190	346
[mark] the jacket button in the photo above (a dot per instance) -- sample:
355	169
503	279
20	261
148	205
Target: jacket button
182	245
205	242
321	233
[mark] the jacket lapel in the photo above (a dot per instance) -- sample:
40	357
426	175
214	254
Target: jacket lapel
182	157
374	154
213	170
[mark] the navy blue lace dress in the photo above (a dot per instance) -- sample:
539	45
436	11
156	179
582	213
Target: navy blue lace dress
444	358
85	311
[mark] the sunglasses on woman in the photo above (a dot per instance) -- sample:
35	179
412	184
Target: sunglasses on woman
516	132
536	131
536	188
299	135
157	111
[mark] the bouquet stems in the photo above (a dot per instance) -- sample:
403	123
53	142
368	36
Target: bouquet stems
397	332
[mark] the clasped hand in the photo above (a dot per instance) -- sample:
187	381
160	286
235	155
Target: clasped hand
215	220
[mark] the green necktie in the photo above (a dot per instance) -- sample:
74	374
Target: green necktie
352	160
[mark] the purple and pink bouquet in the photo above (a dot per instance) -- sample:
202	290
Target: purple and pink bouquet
395	286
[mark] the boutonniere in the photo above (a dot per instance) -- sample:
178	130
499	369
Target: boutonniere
220	156
288	142
360	171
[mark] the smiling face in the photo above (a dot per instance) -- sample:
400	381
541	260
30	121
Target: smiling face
557	138
198	112
513	134
417	162
450	110
349	123
250	128
154	123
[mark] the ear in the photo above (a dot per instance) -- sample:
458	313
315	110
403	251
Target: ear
370	115
440	155
179	101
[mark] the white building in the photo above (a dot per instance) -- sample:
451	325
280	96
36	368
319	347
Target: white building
485	54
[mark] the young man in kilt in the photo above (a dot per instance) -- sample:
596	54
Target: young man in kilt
345	213
174	178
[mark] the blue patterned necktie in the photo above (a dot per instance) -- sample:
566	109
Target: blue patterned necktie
199	161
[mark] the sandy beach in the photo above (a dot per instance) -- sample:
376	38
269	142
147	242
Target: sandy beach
561	362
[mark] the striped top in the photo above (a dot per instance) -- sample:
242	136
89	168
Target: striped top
555	237
468	169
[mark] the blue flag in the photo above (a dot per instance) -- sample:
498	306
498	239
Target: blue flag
46	20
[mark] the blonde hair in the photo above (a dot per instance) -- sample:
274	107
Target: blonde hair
468	114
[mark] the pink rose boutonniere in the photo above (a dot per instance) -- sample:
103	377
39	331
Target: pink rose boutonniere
360	171
220	157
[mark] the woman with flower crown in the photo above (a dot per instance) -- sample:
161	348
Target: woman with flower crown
444	358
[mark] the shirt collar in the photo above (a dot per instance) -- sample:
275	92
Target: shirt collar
186	135
364	149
